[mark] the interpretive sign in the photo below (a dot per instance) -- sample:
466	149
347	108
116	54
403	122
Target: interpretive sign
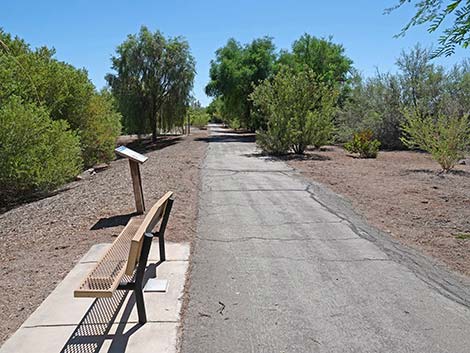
131	154
135	159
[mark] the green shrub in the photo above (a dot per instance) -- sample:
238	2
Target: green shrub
446	138
298	109
37	154
100	130
364	144
199	119
66	92
234	124
322	125
276	140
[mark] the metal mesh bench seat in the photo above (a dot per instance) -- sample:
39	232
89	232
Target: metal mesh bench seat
105	277
123	265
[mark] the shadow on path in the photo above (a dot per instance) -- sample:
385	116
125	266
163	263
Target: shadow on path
229	137
94	328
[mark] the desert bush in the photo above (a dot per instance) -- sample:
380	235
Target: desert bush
65	91
298	109
377	103
364	144
100	128
37	154
275	140
199	118
445	137
234	123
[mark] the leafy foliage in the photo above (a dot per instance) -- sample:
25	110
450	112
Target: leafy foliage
37	154
100	129
446	138
298	108
214	109
234	73
238	69
320	55
378	103
153	81
364	144
199	117
66	93
434	13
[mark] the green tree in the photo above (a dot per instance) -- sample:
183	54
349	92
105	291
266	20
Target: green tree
373	104
422	83
320	55
298	108
435	13
234	73
153	80
456	97
377	103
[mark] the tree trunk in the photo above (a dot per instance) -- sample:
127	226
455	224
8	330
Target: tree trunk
154	132
154	120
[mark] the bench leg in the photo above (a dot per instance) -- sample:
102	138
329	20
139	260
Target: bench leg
139	278
161	231
139	300
161	245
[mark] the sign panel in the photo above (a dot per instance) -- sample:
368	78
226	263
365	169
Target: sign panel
131	154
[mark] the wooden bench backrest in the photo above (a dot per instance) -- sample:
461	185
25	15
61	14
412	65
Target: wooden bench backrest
153	217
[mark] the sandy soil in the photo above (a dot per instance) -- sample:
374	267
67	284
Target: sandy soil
401	193
41	241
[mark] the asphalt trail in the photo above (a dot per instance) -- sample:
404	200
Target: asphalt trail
282	265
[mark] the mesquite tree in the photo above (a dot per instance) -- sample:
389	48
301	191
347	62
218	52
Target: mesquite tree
450	16
153	81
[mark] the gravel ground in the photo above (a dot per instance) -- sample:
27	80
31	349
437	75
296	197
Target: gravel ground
41	241
402	193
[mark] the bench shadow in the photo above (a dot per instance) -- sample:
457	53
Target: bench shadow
94	328
113	221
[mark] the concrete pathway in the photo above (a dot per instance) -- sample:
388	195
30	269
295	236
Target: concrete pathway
85	325
277	270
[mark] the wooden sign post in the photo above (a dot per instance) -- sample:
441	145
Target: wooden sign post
135	159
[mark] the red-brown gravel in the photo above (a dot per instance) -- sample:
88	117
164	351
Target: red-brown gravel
41	241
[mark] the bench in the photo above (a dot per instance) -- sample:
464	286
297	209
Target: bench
123	265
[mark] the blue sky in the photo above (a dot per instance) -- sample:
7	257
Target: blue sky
85	33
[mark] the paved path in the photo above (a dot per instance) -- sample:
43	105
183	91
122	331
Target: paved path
274	270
